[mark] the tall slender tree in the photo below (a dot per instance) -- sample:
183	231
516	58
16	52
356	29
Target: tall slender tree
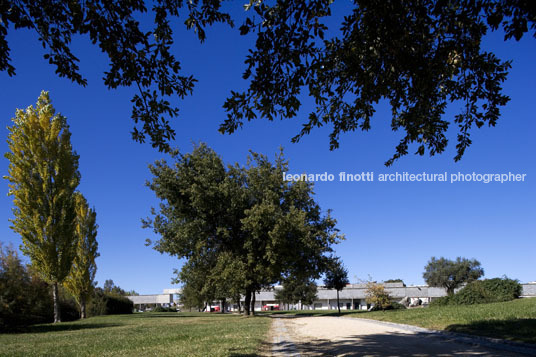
80	280
43	176
336	278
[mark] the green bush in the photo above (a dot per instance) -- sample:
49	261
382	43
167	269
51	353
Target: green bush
397	306
25	298
486	291
441	301
103	303
483	291
503	289
164	309
68	307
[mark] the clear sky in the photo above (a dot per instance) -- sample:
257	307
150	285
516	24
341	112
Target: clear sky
391	229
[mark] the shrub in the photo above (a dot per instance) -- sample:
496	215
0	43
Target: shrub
441	301
483	291
164	309
504	289
397	306
68	308
486	291
25	298
377	295
103	303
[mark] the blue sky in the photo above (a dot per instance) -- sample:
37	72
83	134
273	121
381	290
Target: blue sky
391	229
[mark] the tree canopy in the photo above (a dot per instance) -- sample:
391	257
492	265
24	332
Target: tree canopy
450	274
418	55
240	228
43	176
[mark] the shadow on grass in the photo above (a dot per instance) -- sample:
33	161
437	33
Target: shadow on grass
177	314
521	330
292	314
391	344
59	327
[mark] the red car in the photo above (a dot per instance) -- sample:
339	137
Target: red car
270	307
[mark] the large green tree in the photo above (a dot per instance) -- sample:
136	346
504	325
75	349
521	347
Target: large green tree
43	176
450	274
80	281
418	55
241	229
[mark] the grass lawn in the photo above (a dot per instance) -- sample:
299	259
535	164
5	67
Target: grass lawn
513	320
154	334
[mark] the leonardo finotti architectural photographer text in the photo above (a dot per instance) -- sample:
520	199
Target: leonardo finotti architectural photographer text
370	176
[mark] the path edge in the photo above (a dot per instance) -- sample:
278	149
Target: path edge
474	340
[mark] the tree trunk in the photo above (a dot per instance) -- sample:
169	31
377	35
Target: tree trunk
253	303
239	309
338	304
55	294
247	302
222	305
83	309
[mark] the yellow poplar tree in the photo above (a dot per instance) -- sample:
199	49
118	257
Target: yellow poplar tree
43	176
80	280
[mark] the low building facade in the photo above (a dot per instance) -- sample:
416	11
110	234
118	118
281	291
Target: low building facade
141	301
354	297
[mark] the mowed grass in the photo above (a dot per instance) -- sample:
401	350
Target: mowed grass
142	334
513	320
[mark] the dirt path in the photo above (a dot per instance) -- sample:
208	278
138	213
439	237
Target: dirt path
333	336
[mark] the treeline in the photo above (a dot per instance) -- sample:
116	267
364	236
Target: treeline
25	298
240	228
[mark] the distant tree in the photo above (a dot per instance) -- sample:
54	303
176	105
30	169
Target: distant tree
295	290
80	281
109	287
450	274
377	295
394	281
336	278
43	176
417	55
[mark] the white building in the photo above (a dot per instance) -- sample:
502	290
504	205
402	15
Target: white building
352	297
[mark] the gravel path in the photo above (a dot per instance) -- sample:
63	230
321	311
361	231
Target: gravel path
334	336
